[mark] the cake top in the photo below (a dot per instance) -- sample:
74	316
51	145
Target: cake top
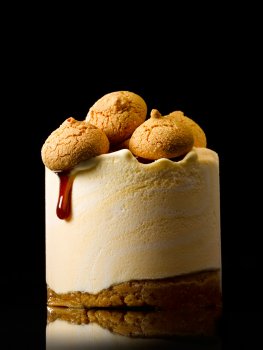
119	120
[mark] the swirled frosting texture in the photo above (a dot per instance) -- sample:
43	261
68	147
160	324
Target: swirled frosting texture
134	221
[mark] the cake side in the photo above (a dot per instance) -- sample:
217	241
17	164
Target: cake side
160	220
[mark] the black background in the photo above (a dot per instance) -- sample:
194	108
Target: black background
58	65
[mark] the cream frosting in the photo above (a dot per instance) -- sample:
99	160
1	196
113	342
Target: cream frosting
134	221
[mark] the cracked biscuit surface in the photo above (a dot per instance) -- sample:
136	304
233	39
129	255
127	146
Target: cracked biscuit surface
161	137
74	141
118	114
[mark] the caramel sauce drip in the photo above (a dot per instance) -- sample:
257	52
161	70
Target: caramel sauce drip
65	188
64	198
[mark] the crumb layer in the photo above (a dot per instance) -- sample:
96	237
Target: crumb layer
190	291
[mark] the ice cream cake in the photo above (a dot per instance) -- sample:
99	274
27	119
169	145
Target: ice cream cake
132	209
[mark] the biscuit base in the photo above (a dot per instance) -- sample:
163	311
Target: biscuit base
190	291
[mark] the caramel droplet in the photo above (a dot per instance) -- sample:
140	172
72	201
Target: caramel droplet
64	198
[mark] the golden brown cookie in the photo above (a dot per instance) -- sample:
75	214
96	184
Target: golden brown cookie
161	137
74	141
118	114
199	134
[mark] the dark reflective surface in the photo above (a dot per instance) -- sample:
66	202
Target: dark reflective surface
29	327
133	329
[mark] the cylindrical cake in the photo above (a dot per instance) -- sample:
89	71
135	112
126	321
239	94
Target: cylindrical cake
136	234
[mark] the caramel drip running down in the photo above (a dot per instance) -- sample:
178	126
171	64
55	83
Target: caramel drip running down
65	189
64	199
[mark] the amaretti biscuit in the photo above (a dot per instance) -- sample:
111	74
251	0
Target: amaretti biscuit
74	141
161	137
198	132
118	114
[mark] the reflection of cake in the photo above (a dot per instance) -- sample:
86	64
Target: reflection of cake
132	329
129	228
